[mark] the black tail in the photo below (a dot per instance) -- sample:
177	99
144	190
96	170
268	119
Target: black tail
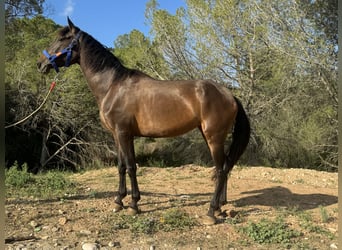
241	134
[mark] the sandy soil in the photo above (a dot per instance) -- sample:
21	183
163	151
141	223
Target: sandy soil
253	193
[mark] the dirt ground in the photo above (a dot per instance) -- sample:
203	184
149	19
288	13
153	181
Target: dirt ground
253	193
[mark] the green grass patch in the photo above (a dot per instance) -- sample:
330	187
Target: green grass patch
278	232
324	214
268	231
170	220
307	223
176	219
20	183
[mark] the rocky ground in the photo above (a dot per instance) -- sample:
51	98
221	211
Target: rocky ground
307	199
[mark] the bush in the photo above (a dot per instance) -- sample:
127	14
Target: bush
19	182
16	178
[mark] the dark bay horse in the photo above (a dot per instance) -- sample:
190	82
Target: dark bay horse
132	104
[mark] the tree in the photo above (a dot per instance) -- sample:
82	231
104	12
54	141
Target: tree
275	57
137	51
24	87
22	8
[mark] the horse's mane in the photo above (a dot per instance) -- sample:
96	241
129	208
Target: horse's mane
99	58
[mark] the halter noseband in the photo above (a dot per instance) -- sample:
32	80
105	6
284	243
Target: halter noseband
67	51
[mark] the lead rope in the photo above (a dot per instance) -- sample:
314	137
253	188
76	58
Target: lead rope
53	84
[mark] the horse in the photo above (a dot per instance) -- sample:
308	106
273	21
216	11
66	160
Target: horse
133	104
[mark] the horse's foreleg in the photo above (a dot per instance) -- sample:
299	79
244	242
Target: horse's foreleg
122	192
127	147
122	186
132	172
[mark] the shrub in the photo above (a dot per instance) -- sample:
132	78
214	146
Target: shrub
19	182
16	178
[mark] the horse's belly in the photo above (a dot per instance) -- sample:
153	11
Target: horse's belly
167	124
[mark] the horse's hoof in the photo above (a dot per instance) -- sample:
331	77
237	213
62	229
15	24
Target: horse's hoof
117	208
131	211
208	220
220	213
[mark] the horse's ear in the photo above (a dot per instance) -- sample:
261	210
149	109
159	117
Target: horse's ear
72	27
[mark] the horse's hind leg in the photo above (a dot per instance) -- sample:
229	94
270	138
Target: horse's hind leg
223	197
227	167
216	147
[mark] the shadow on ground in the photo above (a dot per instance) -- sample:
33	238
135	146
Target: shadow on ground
283	197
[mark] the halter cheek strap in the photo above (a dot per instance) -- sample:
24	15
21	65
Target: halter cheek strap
67	51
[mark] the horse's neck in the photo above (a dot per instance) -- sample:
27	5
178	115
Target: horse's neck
99	80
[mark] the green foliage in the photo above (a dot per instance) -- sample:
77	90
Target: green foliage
138	52
171	220
18	178
176	219
324	214
20	183
270	231
144	225
308	224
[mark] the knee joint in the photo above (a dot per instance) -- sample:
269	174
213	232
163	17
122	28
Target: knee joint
122	170
131	170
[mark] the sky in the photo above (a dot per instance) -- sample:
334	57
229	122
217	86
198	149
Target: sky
105	20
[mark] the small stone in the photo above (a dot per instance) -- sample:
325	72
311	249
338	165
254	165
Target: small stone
333	246
85	232
185	197
152	247
90	246
62	221
33	223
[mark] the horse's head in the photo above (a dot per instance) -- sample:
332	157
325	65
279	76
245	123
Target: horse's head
64	51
